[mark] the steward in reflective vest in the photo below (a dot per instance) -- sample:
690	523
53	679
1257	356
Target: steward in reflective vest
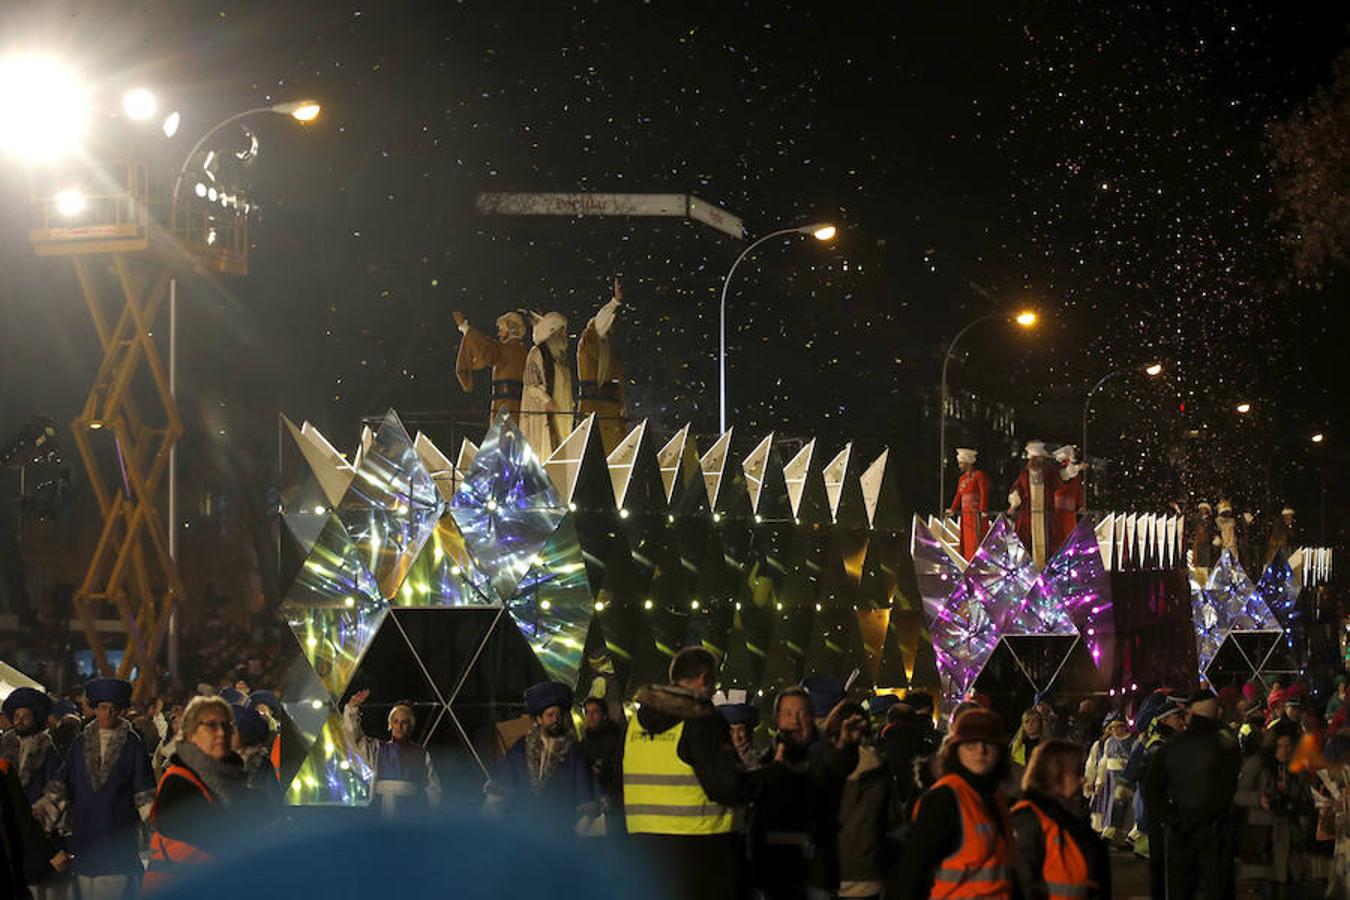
169	855
960	843
1063	866
661	793
681	781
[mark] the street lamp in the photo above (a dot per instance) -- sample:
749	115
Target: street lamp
1243	408
1318	438
1152	370
300	110
1025	319
821	231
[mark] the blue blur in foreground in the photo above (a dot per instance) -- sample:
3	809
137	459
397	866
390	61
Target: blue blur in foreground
348	853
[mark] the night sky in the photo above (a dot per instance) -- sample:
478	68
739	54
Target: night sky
1106	163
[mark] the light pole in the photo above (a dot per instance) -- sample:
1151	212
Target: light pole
821	232
1024	319
301	111
1152	370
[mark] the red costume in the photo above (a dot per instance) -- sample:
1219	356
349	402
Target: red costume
1033	499
972	501
1069	501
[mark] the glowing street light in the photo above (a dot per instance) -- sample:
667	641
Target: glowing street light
821	231
1025	319
44	109
139	104
1318	438
1243	408
300	110
1153	370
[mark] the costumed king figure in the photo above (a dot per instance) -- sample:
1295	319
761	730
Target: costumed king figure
1202	551
600	376
1070	499
1284	536
505	356
405	782
107	780
1032	500
1227	538
971	501
27	746
546	401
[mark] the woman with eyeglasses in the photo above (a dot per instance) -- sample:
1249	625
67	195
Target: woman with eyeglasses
204	783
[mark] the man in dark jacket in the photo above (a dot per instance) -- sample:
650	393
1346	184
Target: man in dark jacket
794	825
696	854
602	748
908	739
1189	792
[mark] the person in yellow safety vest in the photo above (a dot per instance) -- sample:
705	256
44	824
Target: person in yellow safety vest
681	780
960	843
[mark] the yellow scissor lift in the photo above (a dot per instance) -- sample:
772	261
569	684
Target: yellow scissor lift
124	262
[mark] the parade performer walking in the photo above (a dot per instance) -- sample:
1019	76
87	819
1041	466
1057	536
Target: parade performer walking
600	376
505	356
546	402
27	745
971	501
106	778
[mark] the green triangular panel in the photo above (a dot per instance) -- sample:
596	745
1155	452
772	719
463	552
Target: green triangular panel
333	774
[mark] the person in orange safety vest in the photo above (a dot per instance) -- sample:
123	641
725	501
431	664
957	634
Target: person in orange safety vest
204	783
960	842
1058	856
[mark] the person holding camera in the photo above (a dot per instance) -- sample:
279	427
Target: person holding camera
1276	803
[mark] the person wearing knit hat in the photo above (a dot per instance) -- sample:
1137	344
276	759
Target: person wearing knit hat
405	784
971	502
107	781
546	399
959	840
27	745
505	356
1031	500
253	743
544	773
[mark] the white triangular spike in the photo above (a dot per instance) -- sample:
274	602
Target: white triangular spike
794	473
468	450
622	459
565	463
714	464
1131	526
1106	540
871	484
753	466
834	478
334	473
442	471
367	438
1159	528
670	457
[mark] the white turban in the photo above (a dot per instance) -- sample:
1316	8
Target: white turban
1035	449
966	455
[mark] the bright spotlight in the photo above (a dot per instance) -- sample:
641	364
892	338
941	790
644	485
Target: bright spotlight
1153	370
825	233
171	123
70	202
199	190
1026	318
1318	438
211	194
139	104
1244	408
44	112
